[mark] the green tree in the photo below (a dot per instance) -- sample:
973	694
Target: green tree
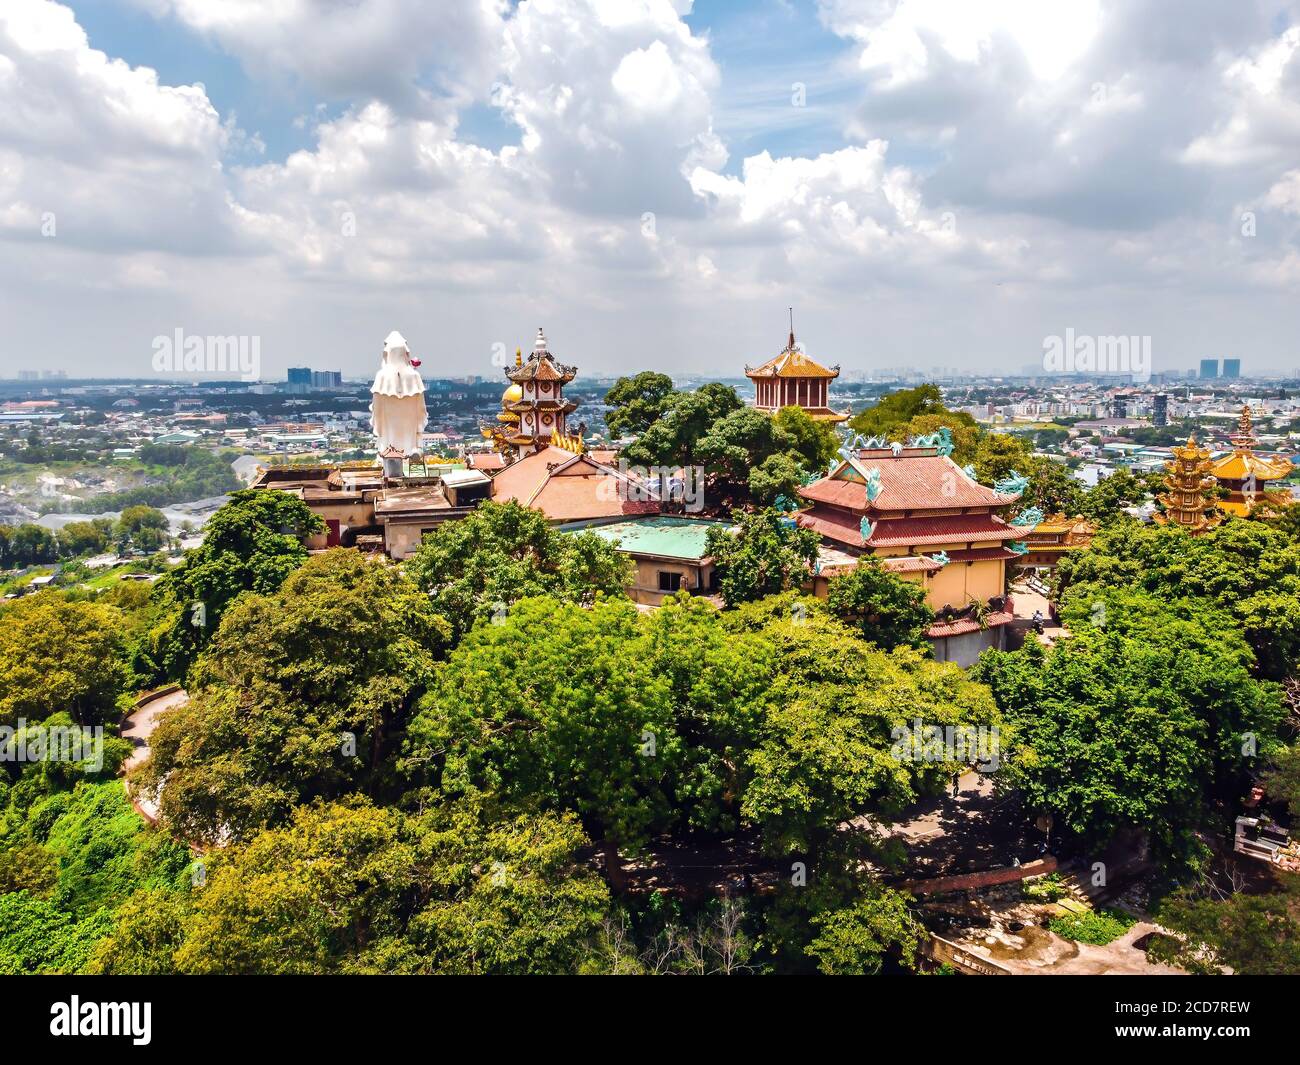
856	940
832	740
815	442
898	408
548	705
1107	501
475	568
302	694
251	544
1247	570
141	527
762	556
79	538
637	402
888	611
351	888
1251	935
1052	487
687	417
57	655
1144	719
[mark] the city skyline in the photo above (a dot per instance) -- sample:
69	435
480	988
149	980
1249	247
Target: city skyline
924	182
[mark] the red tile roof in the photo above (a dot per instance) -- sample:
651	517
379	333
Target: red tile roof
981	554
568	487
913	482
908	532
910	564
961	626
950	528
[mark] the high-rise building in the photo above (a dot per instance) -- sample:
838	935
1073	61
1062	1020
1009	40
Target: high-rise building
327	378
299	375
1232	368
1160	409
1209	369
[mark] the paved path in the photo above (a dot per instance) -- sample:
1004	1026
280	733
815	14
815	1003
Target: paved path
139	727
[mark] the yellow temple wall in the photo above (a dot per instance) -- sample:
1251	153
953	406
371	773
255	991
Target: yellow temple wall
959	583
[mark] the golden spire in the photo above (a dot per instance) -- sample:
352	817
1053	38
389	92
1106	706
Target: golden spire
519	357
1245	439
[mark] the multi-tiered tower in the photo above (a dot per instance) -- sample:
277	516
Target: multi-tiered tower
533	407
1190	487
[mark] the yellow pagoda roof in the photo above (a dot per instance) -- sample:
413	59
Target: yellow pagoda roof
792	362
1242	464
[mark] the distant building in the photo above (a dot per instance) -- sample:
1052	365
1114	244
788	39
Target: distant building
1232	369
1209	369
299	375
327	378
1160	410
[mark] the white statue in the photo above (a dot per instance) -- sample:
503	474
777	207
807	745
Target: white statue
397	409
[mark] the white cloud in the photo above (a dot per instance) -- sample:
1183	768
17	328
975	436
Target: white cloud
1007	161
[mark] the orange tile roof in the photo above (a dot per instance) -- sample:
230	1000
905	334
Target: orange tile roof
952	528
567	487
961	626
919	482
910	564
792	362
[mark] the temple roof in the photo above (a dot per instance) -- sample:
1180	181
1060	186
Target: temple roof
1242	464
912	482
792	362
846	528
541	366
569	487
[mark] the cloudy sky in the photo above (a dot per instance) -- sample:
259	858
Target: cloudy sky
929	182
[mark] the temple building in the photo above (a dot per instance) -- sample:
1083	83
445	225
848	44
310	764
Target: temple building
1054	537
1189	501
533	407
1246	475
930	522
792	379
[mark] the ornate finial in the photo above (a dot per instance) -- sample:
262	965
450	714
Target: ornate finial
790	345
519	357
539	345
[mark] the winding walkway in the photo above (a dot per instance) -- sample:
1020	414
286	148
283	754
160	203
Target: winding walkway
139	726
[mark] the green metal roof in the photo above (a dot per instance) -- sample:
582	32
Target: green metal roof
671	537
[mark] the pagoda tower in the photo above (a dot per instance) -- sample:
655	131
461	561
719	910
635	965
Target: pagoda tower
1246	475
533	407
1189	482
791	379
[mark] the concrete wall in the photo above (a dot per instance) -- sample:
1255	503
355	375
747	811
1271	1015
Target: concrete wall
645	586
965	649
